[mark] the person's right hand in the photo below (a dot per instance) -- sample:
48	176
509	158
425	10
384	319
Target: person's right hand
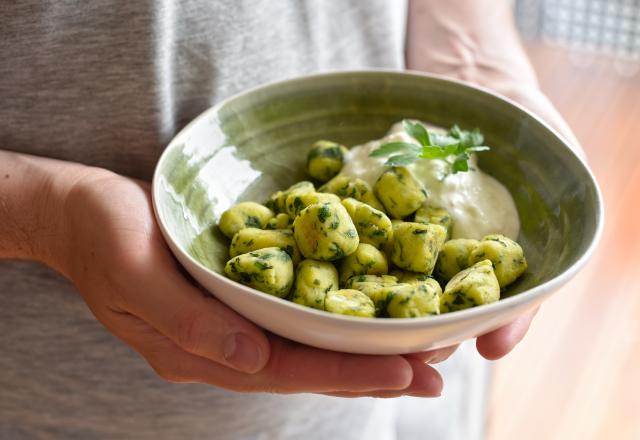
114	253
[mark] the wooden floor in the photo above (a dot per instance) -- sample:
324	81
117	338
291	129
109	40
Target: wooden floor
577	373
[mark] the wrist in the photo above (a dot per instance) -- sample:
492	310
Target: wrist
57	247
80	215
32	203
472	40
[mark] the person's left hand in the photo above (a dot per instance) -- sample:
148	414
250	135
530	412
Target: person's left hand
478	42
113	251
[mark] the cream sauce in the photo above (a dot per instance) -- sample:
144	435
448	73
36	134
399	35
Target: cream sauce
479	205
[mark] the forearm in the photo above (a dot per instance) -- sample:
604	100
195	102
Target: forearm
473	40
32	192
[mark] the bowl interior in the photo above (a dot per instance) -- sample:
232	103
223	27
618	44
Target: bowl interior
255	143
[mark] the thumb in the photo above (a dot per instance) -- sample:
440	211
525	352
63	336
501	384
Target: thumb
199	324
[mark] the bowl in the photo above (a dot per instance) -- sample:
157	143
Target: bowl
255	143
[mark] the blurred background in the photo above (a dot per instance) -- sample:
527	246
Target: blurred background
576	375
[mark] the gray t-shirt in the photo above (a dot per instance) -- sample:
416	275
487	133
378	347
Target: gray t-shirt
108	83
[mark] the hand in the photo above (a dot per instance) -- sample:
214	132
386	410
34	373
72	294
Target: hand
478	42
500	342
115	255
461	40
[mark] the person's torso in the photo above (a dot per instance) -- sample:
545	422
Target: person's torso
108	84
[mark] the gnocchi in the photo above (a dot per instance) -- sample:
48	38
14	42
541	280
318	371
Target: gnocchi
269	270
244	215
400	192
325	160
373	225
324	231
314	279
505	254
416	246
471	287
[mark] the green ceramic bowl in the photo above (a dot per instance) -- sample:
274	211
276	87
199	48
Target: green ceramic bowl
254	143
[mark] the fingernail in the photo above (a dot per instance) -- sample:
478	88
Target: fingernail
242	353
433	391
427	386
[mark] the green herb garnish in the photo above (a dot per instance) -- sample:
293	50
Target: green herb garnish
455	147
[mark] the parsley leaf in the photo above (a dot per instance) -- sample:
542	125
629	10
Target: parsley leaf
417	131
460	163
455	147
401	160
430	152
395	147
443	140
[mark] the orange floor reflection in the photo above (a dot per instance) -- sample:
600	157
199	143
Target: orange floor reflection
577	373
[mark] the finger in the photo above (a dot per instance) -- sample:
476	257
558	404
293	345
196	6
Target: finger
293	368
426	382
199	324
433	356
498	343
170	361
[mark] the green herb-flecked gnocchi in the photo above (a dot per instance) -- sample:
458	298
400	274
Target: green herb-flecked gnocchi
251	239
369	197
419	278
278	200
269	270
410	277
380	279
332	248
436	216
344	186
349	302
453	257
366	260
297	202
375	287
505	254
244	215
474	286
373	225
430	283
416	246
280	221
413	300
325	160
314	279
400	192
325	232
